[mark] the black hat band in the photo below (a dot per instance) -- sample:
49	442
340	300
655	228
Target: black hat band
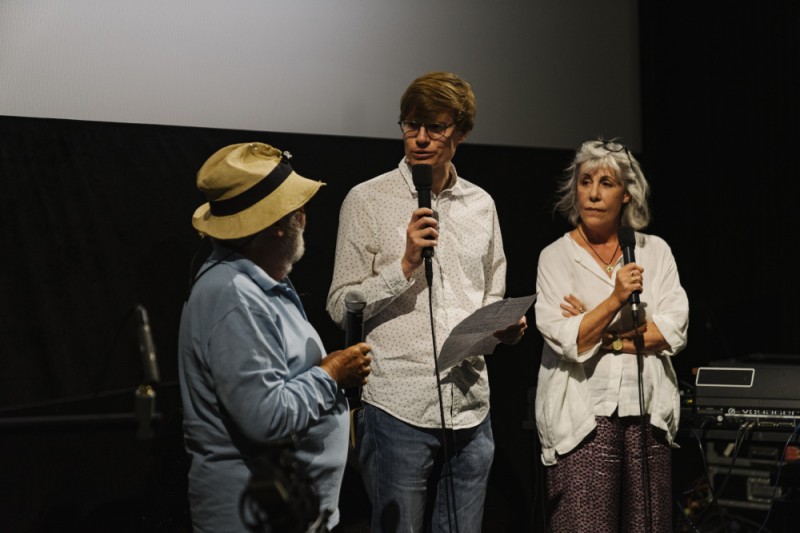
253	195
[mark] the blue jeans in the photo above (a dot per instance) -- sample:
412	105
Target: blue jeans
405	474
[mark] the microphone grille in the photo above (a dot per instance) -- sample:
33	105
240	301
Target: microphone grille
626	237
422	175
355	300
141	316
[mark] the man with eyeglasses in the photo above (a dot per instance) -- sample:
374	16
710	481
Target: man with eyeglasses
424	438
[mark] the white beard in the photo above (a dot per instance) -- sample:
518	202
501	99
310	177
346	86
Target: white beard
292	246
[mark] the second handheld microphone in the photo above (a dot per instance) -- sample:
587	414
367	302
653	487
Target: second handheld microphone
354	302
627	241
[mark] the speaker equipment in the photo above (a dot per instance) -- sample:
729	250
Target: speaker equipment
759	388
747	414
750	474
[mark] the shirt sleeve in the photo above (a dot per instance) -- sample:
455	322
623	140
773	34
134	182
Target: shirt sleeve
357	246
671	314
265	398
496	263
553	283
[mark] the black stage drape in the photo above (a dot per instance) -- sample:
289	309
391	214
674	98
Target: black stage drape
97	219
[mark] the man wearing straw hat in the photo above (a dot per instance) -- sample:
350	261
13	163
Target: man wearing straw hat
253	370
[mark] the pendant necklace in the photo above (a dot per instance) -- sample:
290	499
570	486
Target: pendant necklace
609	266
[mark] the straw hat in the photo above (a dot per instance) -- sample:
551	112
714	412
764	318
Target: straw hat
249	187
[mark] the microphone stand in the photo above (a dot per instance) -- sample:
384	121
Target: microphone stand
144	410
36	420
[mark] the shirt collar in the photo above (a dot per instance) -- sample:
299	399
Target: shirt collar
237	261
453	185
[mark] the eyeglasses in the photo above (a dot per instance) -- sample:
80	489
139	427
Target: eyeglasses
436	130
615	147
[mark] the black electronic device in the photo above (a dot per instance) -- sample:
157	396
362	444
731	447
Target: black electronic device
746	415
759	388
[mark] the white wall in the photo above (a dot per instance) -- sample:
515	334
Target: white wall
547	73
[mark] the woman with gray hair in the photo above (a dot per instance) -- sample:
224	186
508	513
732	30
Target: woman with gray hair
607	393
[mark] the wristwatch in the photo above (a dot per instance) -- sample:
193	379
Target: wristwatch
616	343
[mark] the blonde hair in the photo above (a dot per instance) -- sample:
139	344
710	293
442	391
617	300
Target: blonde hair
435	93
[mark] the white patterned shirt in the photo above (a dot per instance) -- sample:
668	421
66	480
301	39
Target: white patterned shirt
469	269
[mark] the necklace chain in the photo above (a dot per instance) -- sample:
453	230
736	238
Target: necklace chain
608	264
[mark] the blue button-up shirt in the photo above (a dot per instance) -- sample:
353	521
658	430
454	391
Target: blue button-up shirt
250	378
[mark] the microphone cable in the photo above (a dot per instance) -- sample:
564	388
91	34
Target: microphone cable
626	238
452	515
781	461
638	342
742	436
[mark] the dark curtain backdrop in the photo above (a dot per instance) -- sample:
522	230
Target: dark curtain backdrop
96	219
721	107
721	93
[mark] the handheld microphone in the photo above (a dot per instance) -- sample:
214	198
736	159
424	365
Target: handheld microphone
145	394
147	347
422	175
627	241
354	301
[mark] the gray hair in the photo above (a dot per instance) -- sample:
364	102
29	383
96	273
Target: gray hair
599	153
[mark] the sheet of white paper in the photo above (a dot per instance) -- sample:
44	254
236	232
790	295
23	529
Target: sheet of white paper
473	335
